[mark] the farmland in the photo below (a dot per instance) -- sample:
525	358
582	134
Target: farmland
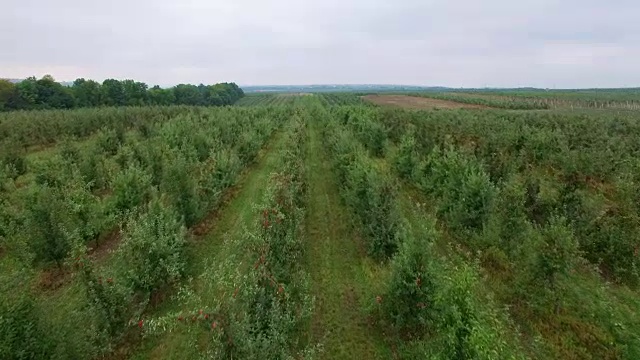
530	100
451	225
419	102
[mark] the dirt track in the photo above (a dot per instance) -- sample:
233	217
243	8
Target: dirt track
420	103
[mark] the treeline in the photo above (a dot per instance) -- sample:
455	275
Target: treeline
46	93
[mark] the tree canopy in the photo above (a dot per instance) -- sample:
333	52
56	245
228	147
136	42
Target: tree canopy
46	93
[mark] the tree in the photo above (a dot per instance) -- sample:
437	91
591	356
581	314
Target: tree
153	247
87	93
135	92
131	188
26	96
47	218
556	258
7	88
159	96
53	95
46	93
187	95
411	292
113	93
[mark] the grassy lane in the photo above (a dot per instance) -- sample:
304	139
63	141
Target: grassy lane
216	259
342	278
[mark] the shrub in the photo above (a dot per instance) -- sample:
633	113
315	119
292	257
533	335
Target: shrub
13	157
371	132
22	335
464	189
271	305
109	299
154	160
368	190
153	247
557	256
125	156
69	151
54	171
468	207
280	244
87	210
92	168
411	288
465	327
109	140
6	181
372	196
48	224
508	224
179	184
542	198
226	168
262	321
607	226
406	161
131	188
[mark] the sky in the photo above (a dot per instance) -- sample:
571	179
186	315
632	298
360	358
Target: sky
456	43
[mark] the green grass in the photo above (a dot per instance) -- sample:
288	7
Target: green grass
343	280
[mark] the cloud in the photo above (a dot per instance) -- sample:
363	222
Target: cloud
544	43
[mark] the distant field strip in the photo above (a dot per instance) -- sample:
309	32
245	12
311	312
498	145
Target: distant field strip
418	103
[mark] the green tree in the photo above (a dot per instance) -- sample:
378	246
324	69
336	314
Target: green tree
22	332
187	95
135	92
412	289
7	89
131	188
159	96
557	256
153	247
113	93
48	225
53	95
180	187
87	93
26	96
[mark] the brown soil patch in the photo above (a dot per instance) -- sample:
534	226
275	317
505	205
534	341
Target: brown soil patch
105	245
54	278
418	103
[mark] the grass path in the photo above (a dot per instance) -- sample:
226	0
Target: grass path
342	278
218	254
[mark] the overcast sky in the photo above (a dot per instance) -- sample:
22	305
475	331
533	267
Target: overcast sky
463	43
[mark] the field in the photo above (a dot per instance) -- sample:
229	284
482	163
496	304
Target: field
555	99
420	103
327	226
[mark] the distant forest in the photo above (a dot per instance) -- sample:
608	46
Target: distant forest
46	93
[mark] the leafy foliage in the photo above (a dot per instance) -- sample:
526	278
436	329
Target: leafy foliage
411	288
368	191
49	224
131	188
22	335
46	93
153	247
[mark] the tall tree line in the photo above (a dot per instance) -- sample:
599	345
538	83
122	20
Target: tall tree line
46	93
